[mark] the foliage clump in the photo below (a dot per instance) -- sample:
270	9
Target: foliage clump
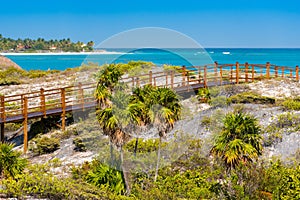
11	163
44	144
292	104
250	97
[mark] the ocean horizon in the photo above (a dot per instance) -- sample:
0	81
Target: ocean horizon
188	57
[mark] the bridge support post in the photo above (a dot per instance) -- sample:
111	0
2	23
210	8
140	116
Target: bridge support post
253	73
167	83
43	101
150	77
25	123
2	115
183	75
221	76
237	69
172	79
297	73
246	71
268	70
216	71
63	108
205	76
81	96
276	71
2	132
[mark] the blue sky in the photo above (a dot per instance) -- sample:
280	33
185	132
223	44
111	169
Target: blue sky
212	23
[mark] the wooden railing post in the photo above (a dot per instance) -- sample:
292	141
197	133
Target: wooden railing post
205	76
297	73
231	73
253	73
154	81
188	82
150	77
221	75
25	123
2	110
199	75
137	81
216	71
172	79
246	71
81	95
291	73
282	72
276	71
2	132
63	108
183	75
268	70
167	79
237	69
43	102
132	81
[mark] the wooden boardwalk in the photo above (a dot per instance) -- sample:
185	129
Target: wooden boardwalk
59	101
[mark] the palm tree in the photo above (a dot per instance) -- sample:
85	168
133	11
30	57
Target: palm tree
239	141
165	113
11	162
115	114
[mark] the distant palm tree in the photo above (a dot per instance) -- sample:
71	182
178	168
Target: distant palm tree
239	141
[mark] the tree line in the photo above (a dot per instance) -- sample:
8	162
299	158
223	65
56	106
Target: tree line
40	44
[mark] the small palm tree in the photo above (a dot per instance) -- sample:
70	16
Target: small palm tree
166	111
239	141
11	162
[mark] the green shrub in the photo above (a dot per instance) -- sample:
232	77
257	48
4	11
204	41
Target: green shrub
219	101
249	97
39	182
104	175
11	163
144	146
44	144
204	95
291	104
79	144
287	120
12	126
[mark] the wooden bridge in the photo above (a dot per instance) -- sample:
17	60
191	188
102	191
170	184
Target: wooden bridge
59	101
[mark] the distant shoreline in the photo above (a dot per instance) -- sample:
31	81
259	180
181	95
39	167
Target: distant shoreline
62	53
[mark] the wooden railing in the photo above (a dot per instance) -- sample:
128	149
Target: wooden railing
59	101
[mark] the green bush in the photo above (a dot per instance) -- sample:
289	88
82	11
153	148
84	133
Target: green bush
292	104
44	144
249	97
219	101
144	146
39	182
104	175
11	163
12	126
79	144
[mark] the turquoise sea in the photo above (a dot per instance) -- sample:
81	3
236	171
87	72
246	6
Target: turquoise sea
188	57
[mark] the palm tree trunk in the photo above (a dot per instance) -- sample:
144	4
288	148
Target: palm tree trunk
125	174
158	159
112	157
136	145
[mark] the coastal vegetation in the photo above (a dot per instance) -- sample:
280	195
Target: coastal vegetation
224	160
41	45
